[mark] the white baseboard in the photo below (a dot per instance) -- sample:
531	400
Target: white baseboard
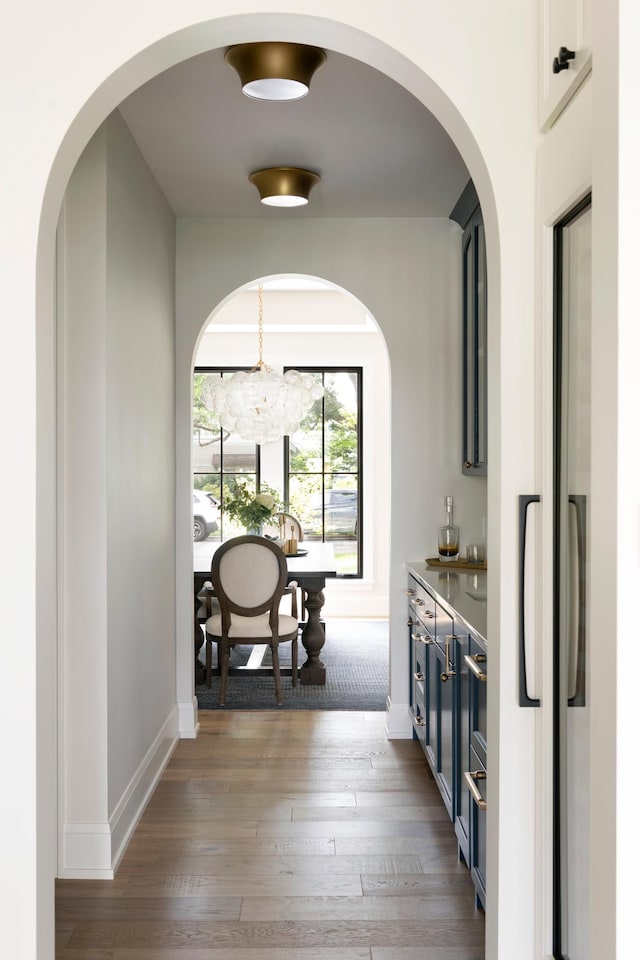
398	725
188	725
87	852
92	851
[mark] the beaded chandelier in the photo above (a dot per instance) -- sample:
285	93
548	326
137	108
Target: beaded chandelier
262	405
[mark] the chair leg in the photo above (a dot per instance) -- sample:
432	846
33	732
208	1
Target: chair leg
294	603
223	653
276	672
294	661
207	675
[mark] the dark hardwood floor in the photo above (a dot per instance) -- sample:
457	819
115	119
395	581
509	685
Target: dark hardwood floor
283	836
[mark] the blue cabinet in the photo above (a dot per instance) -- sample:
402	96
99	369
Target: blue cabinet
463	803
442	697
448	697
475	776
433	656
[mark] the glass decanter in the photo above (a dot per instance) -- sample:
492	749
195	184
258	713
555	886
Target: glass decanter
448	535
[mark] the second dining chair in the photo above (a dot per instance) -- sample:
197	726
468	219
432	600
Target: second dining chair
290	526
249	575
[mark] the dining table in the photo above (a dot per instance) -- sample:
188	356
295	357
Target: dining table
311	567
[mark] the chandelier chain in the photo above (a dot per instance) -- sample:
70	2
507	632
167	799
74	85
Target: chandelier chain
262	405
260	319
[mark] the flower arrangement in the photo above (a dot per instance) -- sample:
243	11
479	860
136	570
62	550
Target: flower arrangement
251	510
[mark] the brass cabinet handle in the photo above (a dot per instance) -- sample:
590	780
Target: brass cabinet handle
409	592
448	673
412	623
418	676
419	721
470	777
473	662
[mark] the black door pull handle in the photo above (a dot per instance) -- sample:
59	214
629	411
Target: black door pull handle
561	62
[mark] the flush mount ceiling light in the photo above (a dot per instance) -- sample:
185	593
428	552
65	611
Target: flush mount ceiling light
272	70
284	186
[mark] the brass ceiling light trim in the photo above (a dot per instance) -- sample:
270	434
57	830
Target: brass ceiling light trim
273	70
284	186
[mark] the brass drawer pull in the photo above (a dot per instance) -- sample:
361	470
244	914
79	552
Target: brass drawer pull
420	721
448	673
470	777
409	592
418	676
473	662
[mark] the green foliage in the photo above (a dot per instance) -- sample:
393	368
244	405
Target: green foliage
250	509
340	434
205	420
342	449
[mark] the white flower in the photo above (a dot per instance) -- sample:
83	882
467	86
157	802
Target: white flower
266	500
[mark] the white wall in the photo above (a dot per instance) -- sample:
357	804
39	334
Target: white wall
62	81
117	482
407	274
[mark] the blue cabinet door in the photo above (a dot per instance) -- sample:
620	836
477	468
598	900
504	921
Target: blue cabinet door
463	741
418	679
475	776
478	844
441	714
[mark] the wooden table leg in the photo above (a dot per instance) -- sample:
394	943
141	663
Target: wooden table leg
313	672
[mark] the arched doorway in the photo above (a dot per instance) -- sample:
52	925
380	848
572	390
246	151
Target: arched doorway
420	85
311	325
308	323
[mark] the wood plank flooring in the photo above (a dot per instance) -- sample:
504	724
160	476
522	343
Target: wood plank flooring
283	836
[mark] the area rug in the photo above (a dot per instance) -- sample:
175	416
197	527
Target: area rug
356	655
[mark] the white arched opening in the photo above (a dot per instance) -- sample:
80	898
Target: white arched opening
309	322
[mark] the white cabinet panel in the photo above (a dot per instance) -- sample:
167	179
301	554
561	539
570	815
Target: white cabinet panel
564	23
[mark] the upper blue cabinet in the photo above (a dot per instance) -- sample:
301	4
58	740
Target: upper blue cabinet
468	214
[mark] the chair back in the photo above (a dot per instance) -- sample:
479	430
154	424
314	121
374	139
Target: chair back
272	525
249	575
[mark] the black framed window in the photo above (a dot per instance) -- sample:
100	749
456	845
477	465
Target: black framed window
323	467
219	458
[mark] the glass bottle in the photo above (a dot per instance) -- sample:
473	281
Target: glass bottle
448	534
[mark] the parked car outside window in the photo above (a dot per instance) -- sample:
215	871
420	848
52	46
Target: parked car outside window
340	510
206	511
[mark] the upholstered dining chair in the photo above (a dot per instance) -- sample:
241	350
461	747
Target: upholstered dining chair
249	575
